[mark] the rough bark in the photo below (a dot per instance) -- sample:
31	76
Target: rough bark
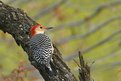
16	22
84	69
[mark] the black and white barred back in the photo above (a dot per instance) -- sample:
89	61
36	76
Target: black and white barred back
41	49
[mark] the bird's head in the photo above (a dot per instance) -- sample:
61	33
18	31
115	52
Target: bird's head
38	29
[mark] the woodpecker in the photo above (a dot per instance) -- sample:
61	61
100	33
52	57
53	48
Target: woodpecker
41	46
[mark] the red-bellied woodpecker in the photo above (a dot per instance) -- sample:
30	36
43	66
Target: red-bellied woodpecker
41	46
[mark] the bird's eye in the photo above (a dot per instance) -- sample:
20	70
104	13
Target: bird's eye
40	27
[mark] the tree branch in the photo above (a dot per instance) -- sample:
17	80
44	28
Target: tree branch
109	38
48	9
97	11
84	69
17	23
96	28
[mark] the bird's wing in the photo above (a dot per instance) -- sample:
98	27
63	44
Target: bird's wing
42	56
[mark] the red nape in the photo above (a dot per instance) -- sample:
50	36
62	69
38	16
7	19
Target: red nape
32	30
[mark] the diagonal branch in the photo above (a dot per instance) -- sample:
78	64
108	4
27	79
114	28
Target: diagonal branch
48	9
109	38
17	23
97	11
96	28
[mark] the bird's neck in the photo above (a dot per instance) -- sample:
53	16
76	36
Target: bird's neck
36	33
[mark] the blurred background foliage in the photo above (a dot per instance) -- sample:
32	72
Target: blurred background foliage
92	26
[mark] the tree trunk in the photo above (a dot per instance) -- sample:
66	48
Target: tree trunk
17	23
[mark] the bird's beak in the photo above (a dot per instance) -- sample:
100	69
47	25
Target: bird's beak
49	28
